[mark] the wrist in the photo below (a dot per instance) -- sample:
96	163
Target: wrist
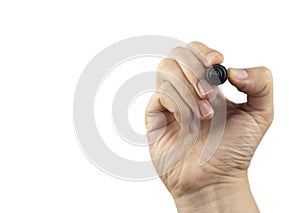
231	196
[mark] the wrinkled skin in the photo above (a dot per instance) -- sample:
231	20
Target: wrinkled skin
245	125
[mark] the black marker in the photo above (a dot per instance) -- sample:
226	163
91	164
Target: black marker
216	74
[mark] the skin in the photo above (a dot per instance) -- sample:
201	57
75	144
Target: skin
221	184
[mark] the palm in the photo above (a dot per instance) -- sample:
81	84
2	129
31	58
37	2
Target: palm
241	137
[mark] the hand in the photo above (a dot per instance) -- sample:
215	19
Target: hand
183	98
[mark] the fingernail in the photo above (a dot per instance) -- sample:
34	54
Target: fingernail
193	126
212	56
205	108
204	87
239	74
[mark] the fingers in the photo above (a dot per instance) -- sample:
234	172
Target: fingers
206	55
167	99
169	71
183	91
186	59
206	90
257	83
193	62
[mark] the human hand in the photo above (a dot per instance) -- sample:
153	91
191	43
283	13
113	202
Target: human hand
173	115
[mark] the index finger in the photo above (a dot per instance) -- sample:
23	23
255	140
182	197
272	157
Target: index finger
206	55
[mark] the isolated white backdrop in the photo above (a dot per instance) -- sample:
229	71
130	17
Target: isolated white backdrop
44	46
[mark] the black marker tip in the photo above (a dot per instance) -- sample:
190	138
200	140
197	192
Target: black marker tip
216	74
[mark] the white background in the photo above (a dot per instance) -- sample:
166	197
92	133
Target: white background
45	46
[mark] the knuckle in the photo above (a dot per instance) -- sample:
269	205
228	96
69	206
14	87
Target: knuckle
200	47
176	49
164	64
196	43
267	75
178	53
266	72
269	117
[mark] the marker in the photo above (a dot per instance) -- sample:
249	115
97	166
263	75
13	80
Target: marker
216	74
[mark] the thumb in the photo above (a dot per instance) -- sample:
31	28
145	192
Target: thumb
257	83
